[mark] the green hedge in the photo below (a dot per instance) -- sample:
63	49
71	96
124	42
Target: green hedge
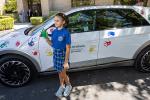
6	23
36	20
14	15
4	17
39	20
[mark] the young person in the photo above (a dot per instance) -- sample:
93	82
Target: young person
61	43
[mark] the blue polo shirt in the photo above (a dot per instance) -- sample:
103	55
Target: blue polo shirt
60	38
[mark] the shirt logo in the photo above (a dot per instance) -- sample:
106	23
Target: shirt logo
60	38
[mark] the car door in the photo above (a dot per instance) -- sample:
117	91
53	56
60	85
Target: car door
84	46
121	34
84	37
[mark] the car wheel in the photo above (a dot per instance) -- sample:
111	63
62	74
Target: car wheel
15	71
142	62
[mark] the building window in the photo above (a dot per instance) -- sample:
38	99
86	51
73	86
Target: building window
35	7
77	3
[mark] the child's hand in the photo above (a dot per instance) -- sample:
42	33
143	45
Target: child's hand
48	41
66	65
44	33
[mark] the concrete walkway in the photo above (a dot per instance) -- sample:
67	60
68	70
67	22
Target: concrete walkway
16	27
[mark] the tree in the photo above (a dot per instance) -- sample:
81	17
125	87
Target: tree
10	6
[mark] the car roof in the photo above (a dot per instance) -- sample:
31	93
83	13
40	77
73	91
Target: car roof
101	7
107	6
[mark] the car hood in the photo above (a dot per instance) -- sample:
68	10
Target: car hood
13	39
16	32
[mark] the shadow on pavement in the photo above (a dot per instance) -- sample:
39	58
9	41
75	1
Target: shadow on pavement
101	84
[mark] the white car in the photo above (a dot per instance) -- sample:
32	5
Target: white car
101	36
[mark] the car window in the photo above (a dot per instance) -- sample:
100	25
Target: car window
82	21
118	18
135	18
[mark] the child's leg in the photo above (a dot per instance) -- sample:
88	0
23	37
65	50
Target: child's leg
66	77
68	87
60	91
61	78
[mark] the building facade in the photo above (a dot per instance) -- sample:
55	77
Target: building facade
44	6
28	8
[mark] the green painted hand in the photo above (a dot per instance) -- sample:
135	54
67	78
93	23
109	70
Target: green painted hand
44	34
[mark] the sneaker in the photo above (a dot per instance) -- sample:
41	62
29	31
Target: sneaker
67	91
60	91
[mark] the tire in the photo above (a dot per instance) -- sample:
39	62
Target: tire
16	71
142	62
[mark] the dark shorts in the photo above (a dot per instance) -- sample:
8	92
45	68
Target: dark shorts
58	59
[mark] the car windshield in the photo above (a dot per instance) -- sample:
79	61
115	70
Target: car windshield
37	28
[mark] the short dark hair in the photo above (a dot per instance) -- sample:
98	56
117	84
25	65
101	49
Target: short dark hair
64	17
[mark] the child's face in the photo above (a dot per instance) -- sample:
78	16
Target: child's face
59	22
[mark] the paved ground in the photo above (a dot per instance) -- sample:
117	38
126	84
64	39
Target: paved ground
120	83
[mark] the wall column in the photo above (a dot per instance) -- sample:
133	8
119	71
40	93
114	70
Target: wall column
61	5
45	6
148	3
1	6
22	8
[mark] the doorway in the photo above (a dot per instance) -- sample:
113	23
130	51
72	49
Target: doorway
34	8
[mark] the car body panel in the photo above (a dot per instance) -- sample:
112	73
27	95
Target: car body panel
13	40
123	44
144	11
18	43
87	48
16	52
102	47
